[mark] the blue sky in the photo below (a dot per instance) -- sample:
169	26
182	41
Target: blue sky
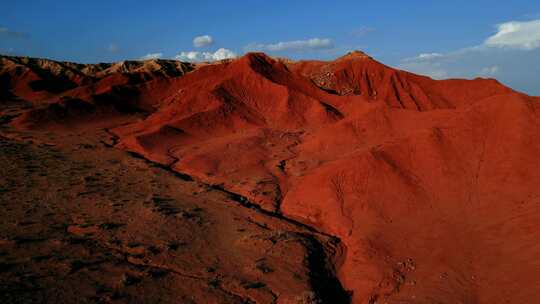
442	39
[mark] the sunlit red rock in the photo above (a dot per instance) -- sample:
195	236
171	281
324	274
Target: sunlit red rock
432	186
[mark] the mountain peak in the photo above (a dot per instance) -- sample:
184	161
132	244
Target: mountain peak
356	54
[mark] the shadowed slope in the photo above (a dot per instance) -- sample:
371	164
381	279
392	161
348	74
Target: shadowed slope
64	91
431	185
336	145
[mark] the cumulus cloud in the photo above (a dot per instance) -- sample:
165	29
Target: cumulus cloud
435	73
434	65
515	68
433	70
296	45
489	71
152	56
515	34
512	55
195	56
463	63
201	41
424	57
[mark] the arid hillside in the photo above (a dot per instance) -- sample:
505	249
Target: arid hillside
398	188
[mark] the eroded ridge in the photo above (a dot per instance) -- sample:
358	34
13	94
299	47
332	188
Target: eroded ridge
428	185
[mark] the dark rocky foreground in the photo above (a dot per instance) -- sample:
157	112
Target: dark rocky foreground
82	222
265	180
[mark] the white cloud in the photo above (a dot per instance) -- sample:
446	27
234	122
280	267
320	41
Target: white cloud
468	62
487	59
424	57
436	73
516	34
489	71
296	45
429	64
204	40
195	56
151	56
517	67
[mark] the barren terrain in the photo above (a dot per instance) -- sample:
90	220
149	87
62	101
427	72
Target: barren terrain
261	180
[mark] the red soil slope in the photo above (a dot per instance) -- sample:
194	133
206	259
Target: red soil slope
61	92
431	185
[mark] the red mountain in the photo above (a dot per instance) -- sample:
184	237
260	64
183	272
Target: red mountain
432	186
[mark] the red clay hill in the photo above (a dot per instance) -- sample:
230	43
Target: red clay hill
432	186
